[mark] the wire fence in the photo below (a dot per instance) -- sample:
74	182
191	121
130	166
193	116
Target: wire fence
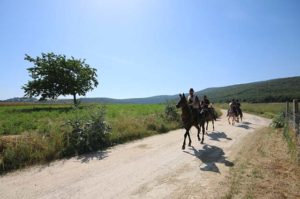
292	115
292	120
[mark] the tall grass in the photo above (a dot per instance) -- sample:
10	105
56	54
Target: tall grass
264	169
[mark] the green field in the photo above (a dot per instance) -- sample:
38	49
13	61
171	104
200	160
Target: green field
31	133
44	119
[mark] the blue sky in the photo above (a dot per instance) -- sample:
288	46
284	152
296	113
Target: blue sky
150	47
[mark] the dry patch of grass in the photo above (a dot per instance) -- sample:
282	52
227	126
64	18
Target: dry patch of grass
264	169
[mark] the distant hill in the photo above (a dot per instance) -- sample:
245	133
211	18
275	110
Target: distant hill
149	100
20	99
275	90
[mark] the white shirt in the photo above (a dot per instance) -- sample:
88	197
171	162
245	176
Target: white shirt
192	101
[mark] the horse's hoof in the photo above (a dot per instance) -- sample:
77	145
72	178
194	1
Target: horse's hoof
198	139
202	142
183	147
190	144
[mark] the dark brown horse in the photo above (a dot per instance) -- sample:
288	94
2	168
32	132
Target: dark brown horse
190	117
209	116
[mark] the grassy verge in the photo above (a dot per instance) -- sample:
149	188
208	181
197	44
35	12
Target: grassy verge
264	169
268	110
292	142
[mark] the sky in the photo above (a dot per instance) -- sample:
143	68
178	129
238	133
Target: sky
144	48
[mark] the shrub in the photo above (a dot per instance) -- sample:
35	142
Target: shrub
87	136
171	113
278	121
162	129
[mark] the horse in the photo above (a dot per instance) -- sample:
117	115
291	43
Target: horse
190	117
232	114
240	114
209	116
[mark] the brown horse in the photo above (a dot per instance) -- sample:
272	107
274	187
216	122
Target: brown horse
232	113
240	114
209	116
190	117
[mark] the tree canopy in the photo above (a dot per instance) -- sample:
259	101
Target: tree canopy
55	75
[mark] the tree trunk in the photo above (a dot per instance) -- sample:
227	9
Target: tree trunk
74	99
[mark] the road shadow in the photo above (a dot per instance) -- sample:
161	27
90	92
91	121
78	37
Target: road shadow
84	158
98	155
209	156
244	125
216	136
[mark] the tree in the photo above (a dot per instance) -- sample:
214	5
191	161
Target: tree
54	75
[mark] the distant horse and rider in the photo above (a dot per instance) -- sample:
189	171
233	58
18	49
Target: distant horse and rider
234	112
194	113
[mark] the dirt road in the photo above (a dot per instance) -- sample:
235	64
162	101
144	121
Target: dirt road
154	167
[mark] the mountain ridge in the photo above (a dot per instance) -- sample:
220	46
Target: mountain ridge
273	90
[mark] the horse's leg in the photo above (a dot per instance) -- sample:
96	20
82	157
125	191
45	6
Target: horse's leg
203	132
229	120
207	121
183	145
190	141
213	122
198	132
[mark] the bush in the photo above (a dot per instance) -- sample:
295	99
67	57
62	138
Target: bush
171	113
162	129
278	121
87	136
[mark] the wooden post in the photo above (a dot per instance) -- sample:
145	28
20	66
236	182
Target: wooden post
295	116
287	110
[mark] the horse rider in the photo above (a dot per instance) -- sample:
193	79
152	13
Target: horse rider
238	107
194	102
232	107
205	102
206	106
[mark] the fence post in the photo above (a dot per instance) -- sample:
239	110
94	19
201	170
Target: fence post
295	116
287	110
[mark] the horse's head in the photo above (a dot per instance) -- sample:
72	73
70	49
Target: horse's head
182	102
